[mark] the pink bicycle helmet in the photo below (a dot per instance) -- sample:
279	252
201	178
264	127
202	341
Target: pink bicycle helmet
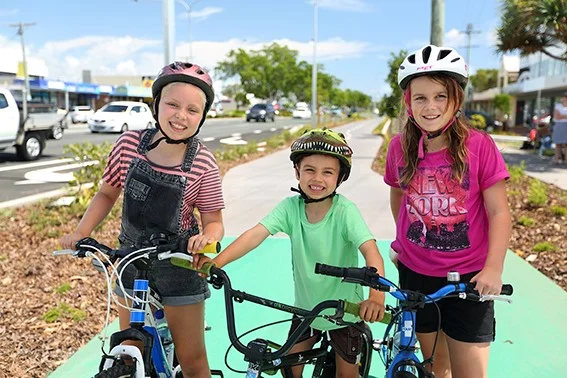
186	73
432	59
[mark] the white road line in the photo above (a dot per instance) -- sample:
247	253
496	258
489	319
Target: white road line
208	139
273	129
36	164
233	141
236	135
51	174
257	131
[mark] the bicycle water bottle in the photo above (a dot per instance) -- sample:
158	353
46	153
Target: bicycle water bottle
165	335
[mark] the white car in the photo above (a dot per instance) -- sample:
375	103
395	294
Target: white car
121	116
81	113
301	112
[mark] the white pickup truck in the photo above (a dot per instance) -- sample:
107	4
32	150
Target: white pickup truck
28	135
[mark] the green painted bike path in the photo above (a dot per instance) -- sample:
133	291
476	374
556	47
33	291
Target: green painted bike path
530	337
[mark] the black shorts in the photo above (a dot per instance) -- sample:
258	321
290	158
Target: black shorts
346	341
461	319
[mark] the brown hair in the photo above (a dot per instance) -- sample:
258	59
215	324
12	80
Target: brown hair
457	133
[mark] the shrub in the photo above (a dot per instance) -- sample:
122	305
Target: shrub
537	194
544	247
478	121
526	221
517	172
558	211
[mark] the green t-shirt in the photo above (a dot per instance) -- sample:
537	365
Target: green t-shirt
333	241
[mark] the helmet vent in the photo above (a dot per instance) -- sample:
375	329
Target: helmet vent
443	54
456	59
411	58
426	52
200	72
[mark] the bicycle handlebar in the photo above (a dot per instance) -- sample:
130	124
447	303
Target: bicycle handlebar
220	279
367	276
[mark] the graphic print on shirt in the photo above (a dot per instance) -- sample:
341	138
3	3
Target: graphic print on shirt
437	211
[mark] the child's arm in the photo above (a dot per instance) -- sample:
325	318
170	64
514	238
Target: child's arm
213	230
489	279
98	209
246	242
372	309
396	196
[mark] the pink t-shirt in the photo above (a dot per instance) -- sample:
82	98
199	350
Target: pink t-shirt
442	225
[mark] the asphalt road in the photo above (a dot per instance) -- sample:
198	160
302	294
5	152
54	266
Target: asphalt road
53	171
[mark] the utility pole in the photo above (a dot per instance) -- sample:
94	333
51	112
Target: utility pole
26	91
437	22
169	31
314	70
469	32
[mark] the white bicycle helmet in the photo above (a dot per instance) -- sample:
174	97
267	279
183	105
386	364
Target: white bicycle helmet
433	59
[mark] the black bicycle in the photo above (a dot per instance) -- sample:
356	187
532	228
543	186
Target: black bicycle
268	357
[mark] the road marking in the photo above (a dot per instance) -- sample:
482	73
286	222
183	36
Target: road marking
272	129
41	176
257	131
36	164
233	141
236	135
208	139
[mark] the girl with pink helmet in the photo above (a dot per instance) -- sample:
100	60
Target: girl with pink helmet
165	175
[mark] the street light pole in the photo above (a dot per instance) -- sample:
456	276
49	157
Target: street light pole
188	7
314	70
168	31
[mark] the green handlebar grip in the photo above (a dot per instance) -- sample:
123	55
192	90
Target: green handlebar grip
354	309
206	268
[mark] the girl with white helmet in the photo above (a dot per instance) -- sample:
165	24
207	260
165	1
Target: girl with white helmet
165	174
448	199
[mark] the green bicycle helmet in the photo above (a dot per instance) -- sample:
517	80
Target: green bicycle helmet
327	142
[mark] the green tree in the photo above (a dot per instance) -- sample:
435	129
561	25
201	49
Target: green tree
484	79
503	104
268	73
390	104
531	26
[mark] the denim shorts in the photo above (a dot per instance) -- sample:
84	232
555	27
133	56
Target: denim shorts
176	286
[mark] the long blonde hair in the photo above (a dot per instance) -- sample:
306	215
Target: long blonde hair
457	133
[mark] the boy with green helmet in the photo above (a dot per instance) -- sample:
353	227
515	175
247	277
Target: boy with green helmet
323	227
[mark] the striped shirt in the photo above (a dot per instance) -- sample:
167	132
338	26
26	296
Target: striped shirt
203	190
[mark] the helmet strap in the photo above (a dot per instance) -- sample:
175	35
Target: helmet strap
307	199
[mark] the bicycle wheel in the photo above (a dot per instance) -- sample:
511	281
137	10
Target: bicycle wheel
118	371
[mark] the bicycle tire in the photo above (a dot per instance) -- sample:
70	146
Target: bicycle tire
404	374
118	371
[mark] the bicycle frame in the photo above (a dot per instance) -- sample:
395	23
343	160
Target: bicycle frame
259	352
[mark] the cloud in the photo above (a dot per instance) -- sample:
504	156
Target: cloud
343	5
126	55
8	12
202	14
455	39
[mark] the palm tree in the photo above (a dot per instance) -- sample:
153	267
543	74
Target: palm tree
532	26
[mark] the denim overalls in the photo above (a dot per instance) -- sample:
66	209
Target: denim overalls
153	203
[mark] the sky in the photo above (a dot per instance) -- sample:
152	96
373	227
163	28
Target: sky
126	37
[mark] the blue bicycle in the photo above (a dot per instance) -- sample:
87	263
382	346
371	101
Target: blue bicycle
148	325
398	351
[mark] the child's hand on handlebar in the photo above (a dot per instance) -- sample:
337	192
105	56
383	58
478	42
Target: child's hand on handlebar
372	310
488	281
198	262
69	241
198	242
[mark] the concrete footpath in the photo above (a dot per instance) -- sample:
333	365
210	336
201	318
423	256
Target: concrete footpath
530	332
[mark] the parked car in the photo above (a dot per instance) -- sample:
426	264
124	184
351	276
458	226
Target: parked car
301	111
81	113
121	116
489	120
29	135
261	112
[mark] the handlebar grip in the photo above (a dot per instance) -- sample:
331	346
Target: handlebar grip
354	309
328	270
213	247
507	289
206	268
